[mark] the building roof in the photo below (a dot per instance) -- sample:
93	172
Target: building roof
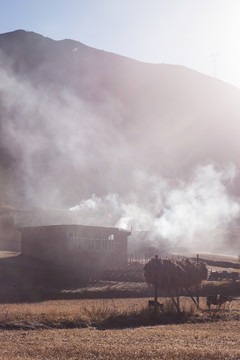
74	226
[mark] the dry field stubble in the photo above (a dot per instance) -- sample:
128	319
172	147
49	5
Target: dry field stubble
215	341
210	340
70	309
52	312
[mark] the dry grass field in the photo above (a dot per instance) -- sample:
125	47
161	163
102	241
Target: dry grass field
215	341
215	257
116	328
67	313
35	337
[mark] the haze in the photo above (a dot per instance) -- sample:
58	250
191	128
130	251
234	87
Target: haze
116	139
154	146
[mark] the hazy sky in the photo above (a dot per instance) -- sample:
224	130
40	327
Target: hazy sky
201	34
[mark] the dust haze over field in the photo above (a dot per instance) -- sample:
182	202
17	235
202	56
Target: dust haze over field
121	143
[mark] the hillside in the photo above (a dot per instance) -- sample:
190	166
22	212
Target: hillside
127	144
94	116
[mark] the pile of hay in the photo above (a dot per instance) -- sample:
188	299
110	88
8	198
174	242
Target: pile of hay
170	274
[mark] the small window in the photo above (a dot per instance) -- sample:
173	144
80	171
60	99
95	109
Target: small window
97	244
70	235
111	237
104	244
71	240
90	244
118	246
111	246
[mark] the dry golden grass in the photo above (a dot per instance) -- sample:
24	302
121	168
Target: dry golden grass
67	307
61	313
210	340
169	274
52	312
215	341
214	257
64	313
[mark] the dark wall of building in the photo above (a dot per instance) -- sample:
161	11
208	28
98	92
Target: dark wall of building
86	248
9	234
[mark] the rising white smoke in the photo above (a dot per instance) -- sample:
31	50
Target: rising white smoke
198	213
73	127
195	215
52	141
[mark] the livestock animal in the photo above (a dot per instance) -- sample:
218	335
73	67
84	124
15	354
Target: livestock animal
151	304
218	300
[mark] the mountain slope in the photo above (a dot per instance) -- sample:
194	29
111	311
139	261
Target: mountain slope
75	121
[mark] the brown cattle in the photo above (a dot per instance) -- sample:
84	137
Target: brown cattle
151	304
218	300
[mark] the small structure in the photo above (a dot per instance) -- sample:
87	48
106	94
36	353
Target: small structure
223	275
172	275
86	248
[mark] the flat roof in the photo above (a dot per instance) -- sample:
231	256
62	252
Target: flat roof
73	225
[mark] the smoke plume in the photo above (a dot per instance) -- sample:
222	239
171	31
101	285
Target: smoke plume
120	142
193	215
